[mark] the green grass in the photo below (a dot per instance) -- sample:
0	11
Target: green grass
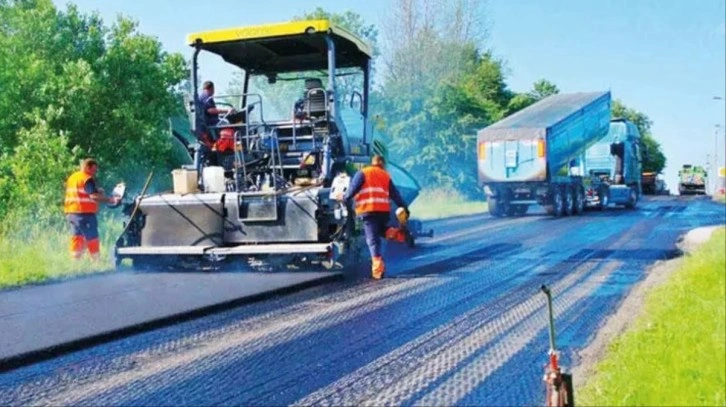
444	203
38	254
675	353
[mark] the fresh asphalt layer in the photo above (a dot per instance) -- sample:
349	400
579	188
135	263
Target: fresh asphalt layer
460	321
44	321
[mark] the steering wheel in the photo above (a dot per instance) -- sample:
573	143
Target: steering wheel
230	110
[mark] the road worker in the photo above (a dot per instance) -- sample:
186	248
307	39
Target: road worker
80	207
373	190
207	120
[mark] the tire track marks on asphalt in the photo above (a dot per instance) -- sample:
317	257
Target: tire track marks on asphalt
289	327
395	377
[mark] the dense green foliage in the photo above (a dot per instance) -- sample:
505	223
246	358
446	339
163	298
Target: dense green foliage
675	353
74	87
653	158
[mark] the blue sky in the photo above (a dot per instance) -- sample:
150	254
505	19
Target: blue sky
666	58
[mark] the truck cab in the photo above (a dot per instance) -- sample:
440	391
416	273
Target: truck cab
614	166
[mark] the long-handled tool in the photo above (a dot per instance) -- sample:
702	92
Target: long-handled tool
558	385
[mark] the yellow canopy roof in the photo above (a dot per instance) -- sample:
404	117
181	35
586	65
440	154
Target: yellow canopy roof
283	47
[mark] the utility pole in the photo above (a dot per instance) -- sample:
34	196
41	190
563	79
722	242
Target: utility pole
714	175
716	164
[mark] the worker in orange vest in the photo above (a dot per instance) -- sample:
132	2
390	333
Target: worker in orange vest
373	191
81	206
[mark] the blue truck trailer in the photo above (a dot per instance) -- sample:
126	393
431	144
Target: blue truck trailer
537	156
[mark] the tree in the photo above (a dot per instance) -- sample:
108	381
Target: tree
540	90
543	88
349	20
90	89
653	158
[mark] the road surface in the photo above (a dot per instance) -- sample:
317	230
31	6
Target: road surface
460	322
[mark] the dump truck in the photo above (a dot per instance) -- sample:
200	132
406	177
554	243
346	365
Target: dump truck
653	184
537	156
298	130
648	181
692	180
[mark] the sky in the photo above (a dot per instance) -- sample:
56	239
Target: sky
666	58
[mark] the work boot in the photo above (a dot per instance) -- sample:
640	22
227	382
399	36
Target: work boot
378	268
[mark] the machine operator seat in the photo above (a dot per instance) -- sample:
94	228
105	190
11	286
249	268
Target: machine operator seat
314	102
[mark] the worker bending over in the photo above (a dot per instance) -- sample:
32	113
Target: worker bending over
373	191
81	206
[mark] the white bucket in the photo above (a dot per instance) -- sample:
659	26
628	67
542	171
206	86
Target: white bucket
213	178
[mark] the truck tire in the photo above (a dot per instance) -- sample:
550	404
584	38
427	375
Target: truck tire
558	202
569	201
579	200
495	208
632	199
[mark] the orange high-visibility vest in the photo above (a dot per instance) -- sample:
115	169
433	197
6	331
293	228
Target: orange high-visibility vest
374	195
77	199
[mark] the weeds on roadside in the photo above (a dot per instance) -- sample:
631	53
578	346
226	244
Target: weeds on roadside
37	253
443	203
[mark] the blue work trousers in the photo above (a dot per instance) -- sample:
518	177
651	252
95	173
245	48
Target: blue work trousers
374	226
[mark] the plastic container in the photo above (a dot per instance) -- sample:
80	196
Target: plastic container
213	178
185	181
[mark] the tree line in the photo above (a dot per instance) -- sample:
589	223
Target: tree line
75	86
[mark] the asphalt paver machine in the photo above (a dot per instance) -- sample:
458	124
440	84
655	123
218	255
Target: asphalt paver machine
298	131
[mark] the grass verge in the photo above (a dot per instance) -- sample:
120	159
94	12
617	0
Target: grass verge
41	253
444	203
675	353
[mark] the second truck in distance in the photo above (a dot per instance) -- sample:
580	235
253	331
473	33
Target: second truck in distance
564	153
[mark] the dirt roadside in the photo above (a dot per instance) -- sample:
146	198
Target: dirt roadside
632	306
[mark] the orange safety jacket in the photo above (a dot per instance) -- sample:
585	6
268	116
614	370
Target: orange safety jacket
374	195
77	199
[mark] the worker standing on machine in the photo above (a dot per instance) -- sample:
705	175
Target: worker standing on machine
373	191
81	205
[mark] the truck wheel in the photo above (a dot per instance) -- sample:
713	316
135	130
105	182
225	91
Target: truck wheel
558	202
632	199
604	199
579	200
495	208
569	201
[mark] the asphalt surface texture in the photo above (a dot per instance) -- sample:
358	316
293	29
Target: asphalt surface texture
460	320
